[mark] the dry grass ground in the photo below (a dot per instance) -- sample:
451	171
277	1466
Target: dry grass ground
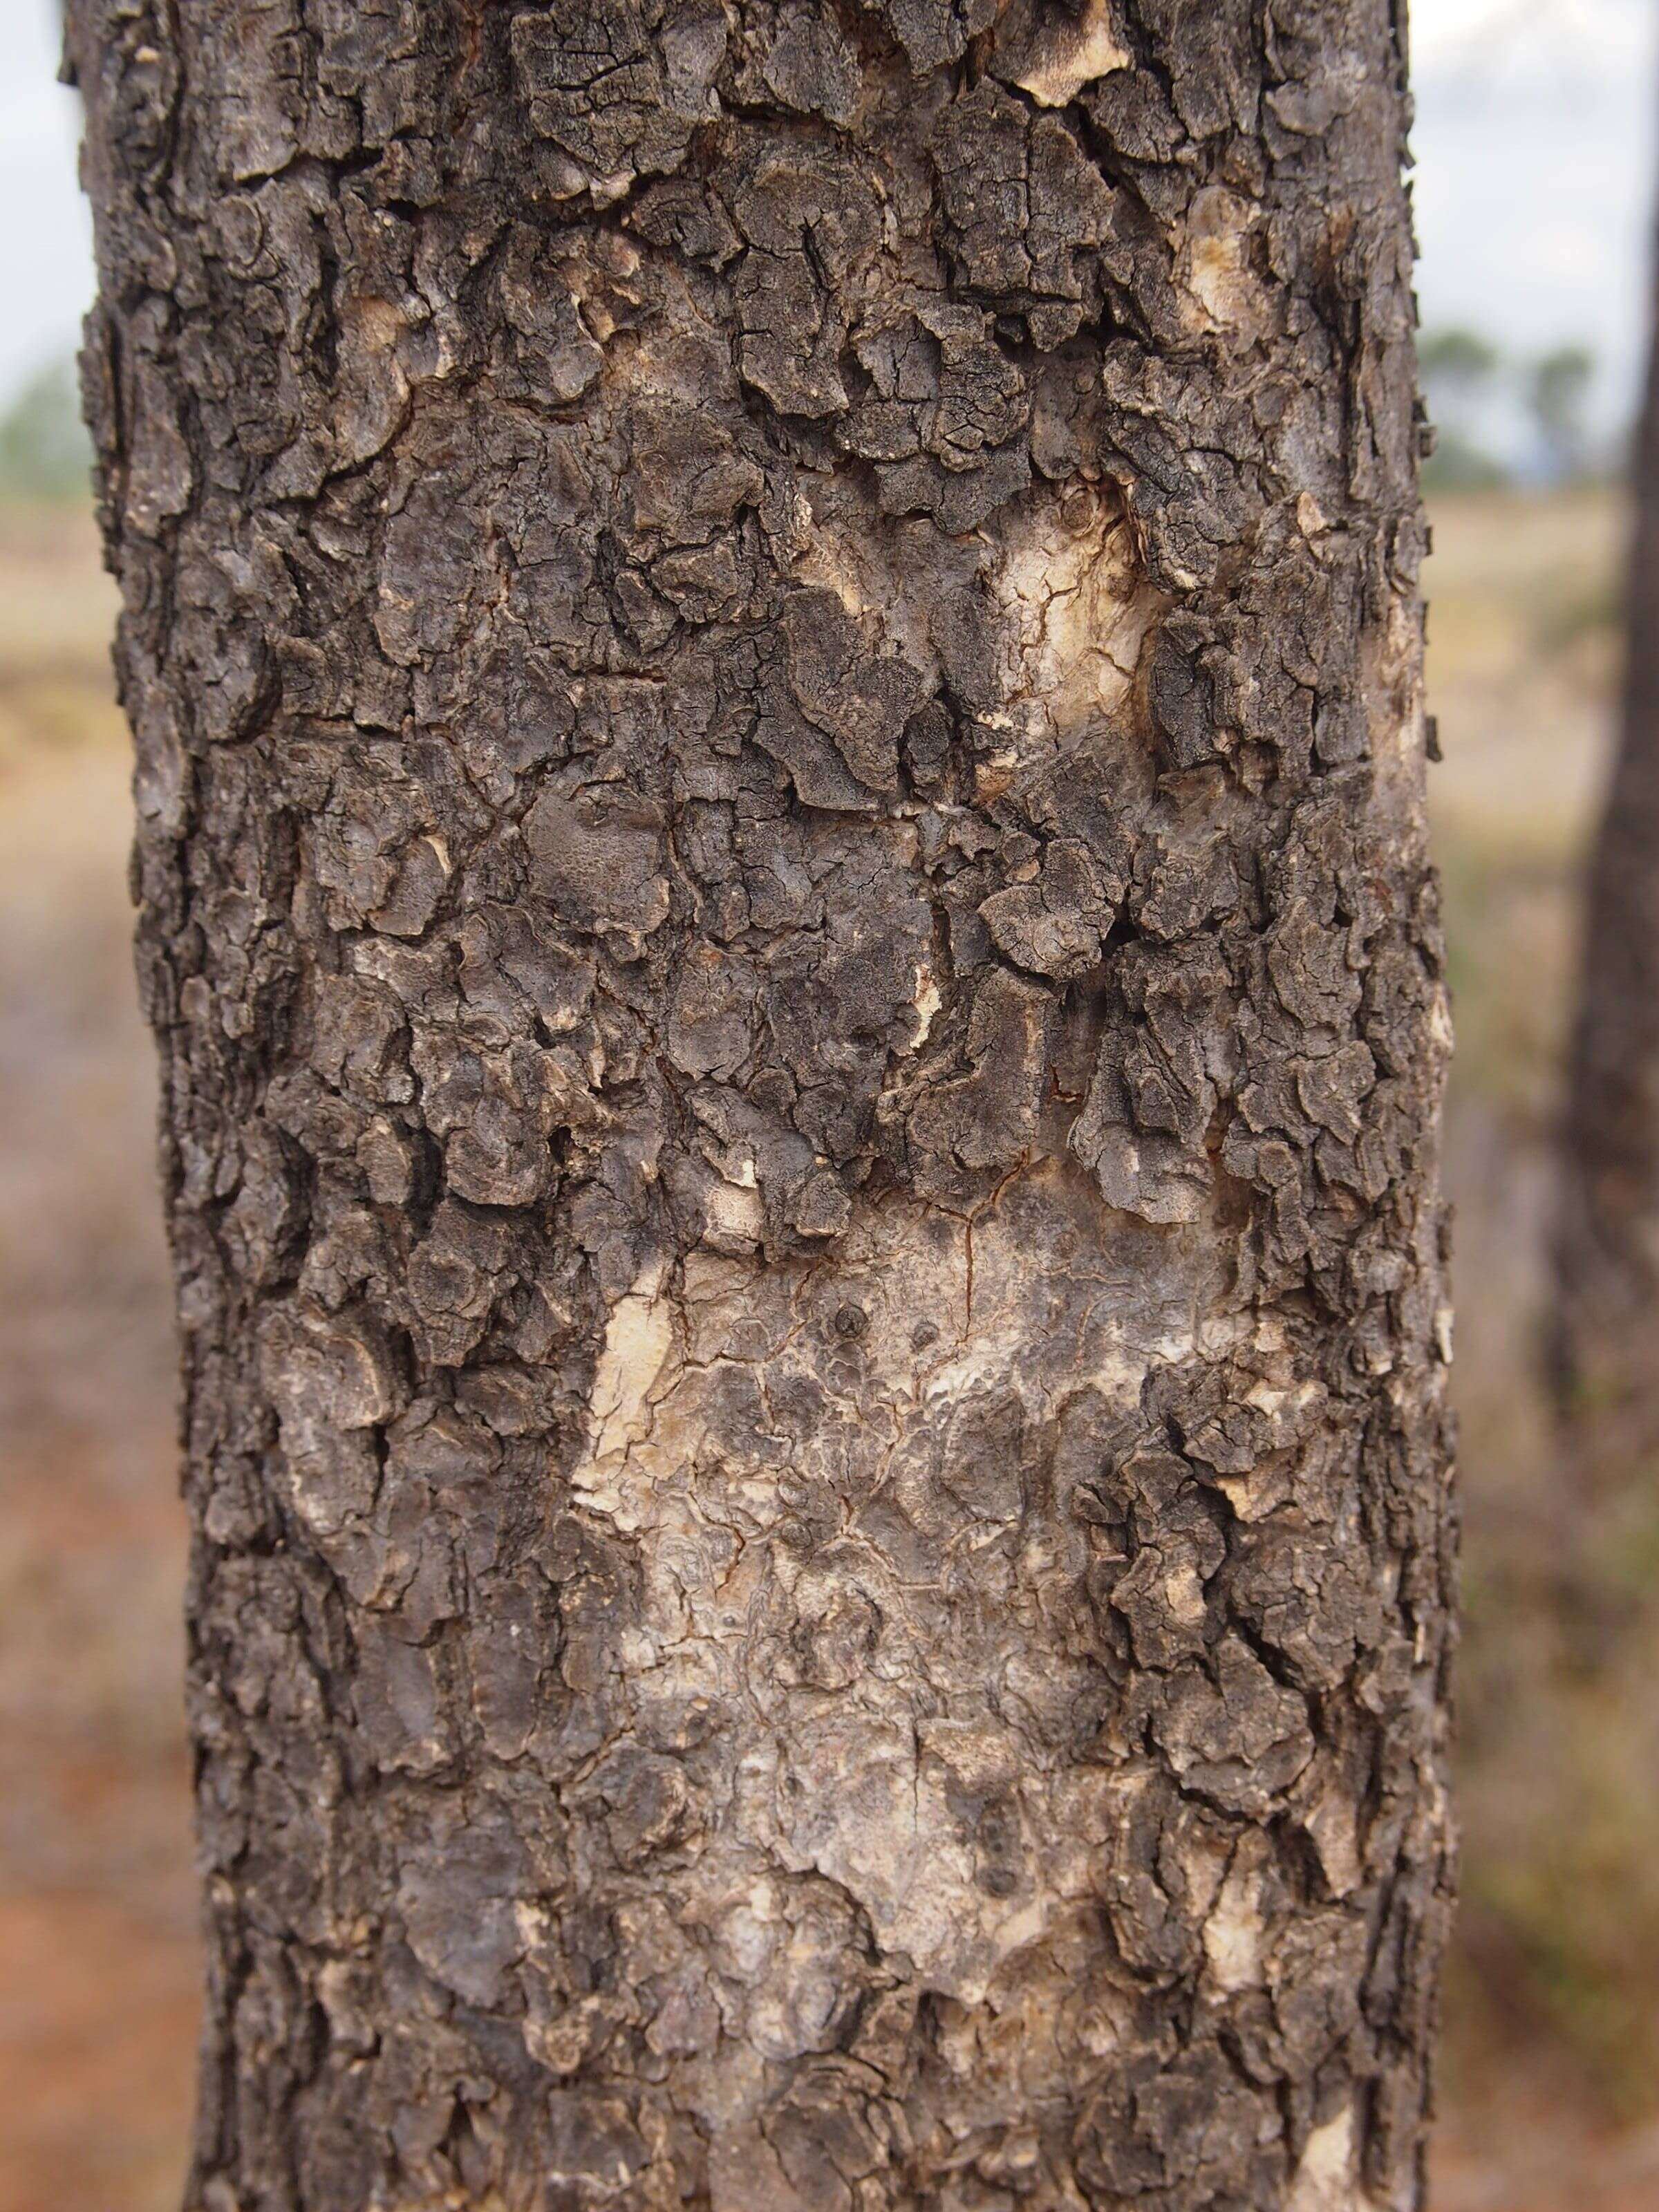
97	1971
1552	2074
1552	2065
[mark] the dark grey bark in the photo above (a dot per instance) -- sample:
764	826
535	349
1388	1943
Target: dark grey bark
1604	1326
774	652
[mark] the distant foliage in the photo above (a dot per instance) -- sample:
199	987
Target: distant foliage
1460	463
1459	369
1558	395
1458	359
45	452
1499	417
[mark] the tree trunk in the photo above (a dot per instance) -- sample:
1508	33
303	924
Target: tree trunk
1605	1326
774	654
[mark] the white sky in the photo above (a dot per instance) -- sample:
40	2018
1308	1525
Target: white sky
1535	129
1534	198
45	242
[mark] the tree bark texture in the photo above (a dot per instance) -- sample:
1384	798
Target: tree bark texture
1604	1328
774	652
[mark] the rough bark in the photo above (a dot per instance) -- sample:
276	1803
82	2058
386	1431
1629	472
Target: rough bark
774	652
1604	1328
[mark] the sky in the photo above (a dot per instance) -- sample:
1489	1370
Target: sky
1534	144
45	240
1533	190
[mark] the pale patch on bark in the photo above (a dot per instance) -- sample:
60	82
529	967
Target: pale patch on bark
1077	609
1332	1828
1185	1594
375	385
1233	1932
883	1673
1397	725
1086	50
1215	267
928	1001
1325	2180
735	1215
637	1342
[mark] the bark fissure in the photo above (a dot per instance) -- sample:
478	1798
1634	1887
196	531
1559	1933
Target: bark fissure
774	655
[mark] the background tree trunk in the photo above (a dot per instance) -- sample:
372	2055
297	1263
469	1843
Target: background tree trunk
775	661
1605	1326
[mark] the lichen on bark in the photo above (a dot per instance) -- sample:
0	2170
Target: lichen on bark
775	653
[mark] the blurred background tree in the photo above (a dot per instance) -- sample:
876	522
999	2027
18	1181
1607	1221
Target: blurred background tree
1459	369
1603	1326
1558	390
43	449
1502	416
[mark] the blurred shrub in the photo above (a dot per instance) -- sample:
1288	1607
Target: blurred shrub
1558	388
1498	417
1460	463
45	452
1459	369
1458	360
